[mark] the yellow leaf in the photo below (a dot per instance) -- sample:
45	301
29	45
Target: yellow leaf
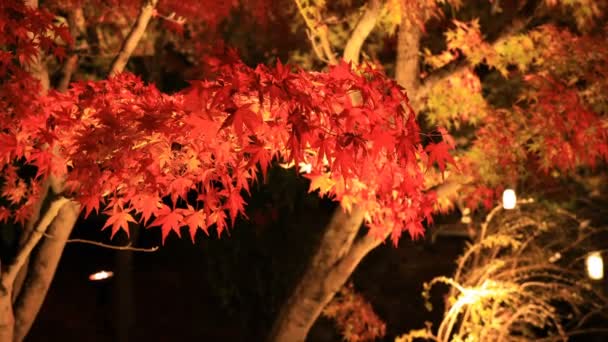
323	182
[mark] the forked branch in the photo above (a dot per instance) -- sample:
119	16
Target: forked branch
11	272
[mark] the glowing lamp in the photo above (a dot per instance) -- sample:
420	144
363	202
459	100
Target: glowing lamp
509	199
101	275
595	266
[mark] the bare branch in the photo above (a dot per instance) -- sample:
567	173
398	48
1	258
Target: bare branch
134	36
315	47
127	247
364	27
317	30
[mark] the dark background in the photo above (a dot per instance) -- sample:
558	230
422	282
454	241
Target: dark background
228	288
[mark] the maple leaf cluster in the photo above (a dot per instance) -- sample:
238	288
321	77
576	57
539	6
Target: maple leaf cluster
354	316
188	159
25	32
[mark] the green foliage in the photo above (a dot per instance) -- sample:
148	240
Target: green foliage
446	107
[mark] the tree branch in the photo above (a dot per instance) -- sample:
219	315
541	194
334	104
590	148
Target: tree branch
42	267
407	69
326	46
9	275
127	247
317	29
75	21
133	38
364	27
313	291
67	70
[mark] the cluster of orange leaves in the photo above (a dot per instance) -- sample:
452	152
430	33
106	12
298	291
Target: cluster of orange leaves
354	316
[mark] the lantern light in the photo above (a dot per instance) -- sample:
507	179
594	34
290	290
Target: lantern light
595	266
509	199
101	275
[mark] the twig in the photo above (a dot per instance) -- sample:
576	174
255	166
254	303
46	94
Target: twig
133	38
315	47
317	29
126	247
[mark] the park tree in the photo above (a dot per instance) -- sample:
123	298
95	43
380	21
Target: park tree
517	84
508	93
186	159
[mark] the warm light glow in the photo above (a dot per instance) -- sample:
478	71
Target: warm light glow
101	275
509	199
305	167
595	266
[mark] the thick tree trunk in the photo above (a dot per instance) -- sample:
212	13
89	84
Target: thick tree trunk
337	256
7	319
339	252
320	281
42	269
407	68
25	281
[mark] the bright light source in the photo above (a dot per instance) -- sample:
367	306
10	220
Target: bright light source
509	199
595	266
305	167
101	275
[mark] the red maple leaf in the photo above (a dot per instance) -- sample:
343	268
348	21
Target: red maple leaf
195	219
119	219
168	220
243	116
440	153
235	205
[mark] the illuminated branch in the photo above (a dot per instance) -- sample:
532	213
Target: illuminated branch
126	247
9	276
362	30
75	19
133	38
317	30
515	289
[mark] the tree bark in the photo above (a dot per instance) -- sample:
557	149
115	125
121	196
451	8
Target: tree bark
133	38
407	68
7	319
26	280
364	27
42	269
338	252
321	279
